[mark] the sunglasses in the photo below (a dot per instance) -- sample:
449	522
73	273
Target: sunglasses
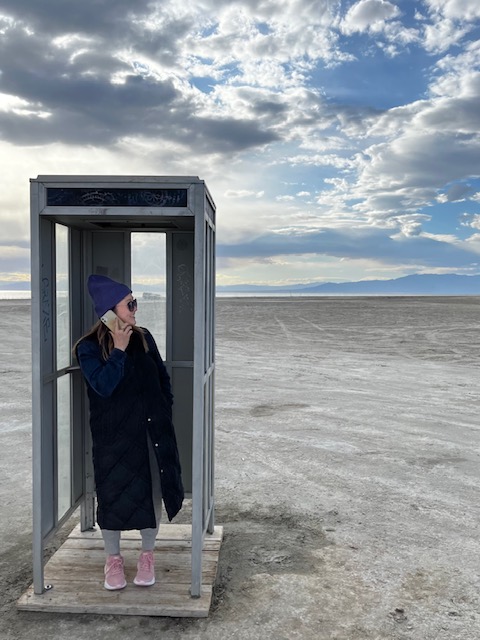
132	304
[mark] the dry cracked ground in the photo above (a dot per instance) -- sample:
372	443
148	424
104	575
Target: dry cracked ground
347	472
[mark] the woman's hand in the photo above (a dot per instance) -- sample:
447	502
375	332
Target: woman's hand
121	337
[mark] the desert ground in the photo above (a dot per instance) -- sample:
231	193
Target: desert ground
347	475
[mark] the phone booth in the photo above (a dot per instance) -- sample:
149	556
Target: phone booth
88	224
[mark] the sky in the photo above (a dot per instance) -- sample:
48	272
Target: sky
340	139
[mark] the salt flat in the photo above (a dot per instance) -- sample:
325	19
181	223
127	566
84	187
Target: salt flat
347	473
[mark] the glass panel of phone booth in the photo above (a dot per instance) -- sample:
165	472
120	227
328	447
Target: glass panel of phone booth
62	298
77	327
63	354
148	255
180	343
64	467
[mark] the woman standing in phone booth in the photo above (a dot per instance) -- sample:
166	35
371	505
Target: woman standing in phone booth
135	455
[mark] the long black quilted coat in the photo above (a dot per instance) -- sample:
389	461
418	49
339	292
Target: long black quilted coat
130	397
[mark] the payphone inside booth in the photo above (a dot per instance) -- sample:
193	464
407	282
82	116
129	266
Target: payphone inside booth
86	224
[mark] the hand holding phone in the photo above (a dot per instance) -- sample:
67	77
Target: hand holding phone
120	331
109	319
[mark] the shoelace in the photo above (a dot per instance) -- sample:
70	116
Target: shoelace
145	562
116	566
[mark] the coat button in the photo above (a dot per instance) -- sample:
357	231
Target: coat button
149	419
156	444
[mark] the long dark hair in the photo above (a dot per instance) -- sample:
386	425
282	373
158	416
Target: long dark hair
105	340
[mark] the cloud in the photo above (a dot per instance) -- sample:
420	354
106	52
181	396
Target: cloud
461	10
85	102
429	149
53	16
14	259
243	193
355	244
458	192
470	220
368	15
451	21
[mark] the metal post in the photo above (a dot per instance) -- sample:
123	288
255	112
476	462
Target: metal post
198	399
38	573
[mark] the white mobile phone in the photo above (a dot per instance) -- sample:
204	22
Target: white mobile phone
109	319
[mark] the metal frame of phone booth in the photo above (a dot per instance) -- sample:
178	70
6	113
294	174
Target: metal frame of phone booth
82	224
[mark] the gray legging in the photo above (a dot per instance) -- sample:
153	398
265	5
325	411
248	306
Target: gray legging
112	538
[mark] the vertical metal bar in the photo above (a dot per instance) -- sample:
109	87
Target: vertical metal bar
169	294
211	521
36	261
208	363
43	395
198	390
76	420
51	408
206	443
87	507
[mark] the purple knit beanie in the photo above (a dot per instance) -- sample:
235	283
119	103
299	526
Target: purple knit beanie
105	293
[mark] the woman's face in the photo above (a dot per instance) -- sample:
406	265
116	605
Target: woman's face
125	311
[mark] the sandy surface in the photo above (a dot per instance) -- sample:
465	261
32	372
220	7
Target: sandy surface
347	465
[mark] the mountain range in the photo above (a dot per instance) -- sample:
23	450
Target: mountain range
449	284
416	284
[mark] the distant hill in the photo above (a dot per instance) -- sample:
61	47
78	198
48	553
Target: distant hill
21	285
449	284
417	284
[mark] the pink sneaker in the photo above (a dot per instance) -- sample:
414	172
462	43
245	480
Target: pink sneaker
114	575
145	570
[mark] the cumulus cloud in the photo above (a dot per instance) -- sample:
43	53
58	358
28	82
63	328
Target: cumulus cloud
450	21
356	244
88	92
457	192
470	220
461	10
369	15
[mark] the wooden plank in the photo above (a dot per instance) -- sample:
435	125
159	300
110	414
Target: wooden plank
175	568
92	598
131	593
166	532
83	556
127	543
161	556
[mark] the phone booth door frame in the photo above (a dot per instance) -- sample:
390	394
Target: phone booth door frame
86	222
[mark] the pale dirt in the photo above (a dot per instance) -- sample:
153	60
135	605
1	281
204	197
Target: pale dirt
347	474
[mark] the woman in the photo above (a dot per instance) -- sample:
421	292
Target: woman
135	456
